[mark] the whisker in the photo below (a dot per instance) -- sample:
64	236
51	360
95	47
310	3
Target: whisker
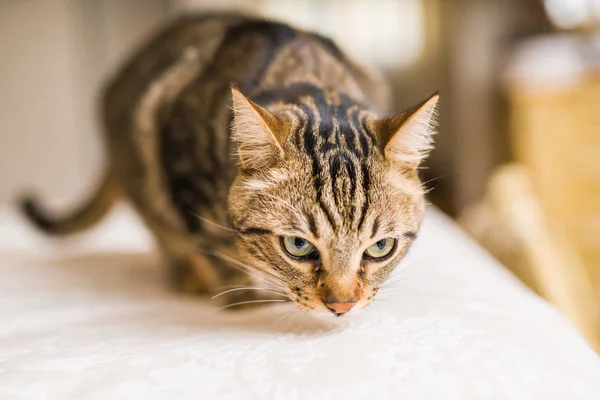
399	279
274	279
245	267
435	179
281	293
396	278
404	276
416	289
245	282
208	221
253	301
401	274
230	286
287	314
271	277
295	316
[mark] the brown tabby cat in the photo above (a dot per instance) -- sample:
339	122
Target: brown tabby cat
322	199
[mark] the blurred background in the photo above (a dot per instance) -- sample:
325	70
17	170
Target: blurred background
517	160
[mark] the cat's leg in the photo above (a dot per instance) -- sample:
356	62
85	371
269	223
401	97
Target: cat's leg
193	273
187	270
209	275
188	274
182	276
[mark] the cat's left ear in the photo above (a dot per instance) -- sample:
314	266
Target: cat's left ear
258	133
407	138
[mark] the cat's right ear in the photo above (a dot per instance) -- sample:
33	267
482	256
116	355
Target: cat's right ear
258	133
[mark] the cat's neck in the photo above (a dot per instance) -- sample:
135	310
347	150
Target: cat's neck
316	94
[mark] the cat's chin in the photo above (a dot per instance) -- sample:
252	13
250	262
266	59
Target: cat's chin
321	313
324	313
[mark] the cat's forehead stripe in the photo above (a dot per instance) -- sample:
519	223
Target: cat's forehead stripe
334	138
312	225
375	227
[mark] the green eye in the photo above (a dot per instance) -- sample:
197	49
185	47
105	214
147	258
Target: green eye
297	247
381	248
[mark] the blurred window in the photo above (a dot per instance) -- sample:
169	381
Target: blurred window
568	14
384	33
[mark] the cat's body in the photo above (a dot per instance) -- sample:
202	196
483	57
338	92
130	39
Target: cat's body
307	165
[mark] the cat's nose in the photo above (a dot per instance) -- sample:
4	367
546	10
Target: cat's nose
339	307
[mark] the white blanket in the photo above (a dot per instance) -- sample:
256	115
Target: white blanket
90	318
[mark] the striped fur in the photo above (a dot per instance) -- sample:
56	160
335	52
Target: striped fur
296	148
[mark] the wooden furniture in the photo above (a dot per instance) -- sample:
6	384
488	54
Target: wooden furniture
541	215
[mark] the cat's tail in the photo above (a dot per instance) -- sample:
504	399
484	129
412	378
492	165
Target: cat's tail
81	219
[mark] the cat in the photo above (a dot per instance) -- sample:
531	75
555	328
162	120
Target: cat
259	154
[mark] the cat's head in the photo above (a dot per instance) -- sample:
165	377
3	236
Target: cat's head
327	199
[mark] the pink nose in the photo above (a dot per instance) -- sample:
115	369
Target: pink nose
340	308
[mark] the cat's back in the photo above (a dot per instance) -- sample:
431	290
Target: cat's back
190	36
249	52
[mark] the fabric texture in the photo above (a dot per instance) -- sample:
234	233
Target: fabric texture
90	317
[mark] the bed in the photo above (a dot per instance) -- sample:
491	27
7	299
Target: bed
90	317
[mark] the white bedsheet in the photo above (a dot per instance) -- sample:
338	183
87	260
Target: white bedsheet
90	318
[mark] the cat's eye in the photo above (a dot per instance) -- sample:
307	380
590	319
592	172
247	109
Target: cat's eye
296	247
381	248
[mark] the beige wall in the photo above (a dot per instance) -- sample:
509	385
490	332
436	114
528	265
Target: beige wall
39	122
54	54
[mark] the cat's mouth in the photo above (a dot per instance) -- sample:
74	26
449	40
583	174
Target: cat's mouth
331	306
331	298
